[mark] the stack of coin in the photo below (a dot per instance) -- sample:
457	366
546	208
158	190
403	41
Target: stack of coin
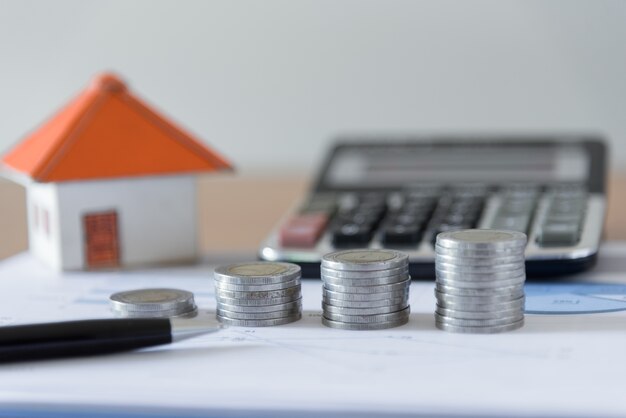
480	281
258	294
153	303
365	289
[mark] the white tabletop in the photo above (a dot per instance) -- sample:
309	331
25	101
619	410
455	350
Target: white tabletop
558	364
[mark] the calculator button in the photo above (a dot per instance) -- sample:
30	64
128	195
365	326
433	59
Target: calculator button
458	218
405	219
564	218
423	192
403	228
348	234
568	190
476	190
512	223
567	207
517	206
395	201
399	234
459	210
521	190
425	205
408	218
303	230
357	218
408	214
516	209
559	234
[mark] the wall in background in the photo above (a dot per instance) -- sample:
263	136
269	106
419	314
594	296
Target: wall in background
269	83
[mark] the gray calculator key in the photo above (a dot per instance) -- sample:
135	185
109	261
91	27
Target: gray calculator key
517	206
556	234
523	191
512	223
568	191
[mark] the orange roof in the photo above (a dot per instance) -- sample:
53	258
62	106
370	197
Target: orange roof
106	132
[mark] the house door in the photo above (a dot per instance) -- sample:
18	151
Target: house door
101	240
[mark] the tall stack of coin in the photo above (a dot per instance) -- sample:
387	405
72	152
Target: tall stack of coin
153	303
480	281
258	294
365	289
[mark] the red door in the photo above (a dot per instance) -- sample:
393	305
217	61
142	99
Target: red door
101	240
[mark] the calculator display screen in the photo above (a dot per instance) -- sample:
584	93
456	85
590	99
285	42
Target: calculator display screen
397	165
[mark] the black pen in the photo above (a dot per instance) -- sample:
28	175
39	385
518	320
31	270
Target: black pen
95	336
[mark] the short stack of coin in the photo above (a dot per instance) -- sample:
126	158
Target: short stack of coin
480	281
258	294
153	303
365	289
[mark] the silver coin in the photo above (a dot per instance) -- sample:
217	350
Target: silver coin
479	261
480	305
180	308
505	293
256	302
367	304
373	274
158	299
365	260
451	313
471	269
479	322
368	319
258	315
479	330
475	277
495	270
365	282
483	284
189	313
293	291
221	285
479	281
258	272
383	288
363	311
258	322
461	252
364	327
364	297
481	239
257	309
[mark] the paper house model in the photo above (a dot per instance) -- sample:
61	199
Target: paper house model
110	182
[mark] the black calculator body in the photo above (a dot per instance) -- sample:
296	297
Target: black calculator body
400	193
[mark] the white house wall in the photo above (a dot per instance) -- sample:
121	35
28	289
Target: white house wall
44	231
156	218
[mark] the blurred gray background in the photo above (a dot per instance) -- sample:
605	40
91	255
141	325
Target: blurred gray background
270	83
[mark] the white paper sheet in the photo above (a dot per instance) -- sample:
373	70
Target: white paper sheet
557	365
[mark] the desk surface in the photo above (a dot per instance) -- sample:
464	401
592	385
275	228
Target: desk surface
238	212
567	360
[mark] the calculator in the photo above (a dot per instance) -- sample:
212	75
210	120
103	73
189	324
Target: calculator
399	193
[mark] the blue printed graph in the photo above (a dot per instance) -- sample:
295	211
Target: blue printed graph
574	298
